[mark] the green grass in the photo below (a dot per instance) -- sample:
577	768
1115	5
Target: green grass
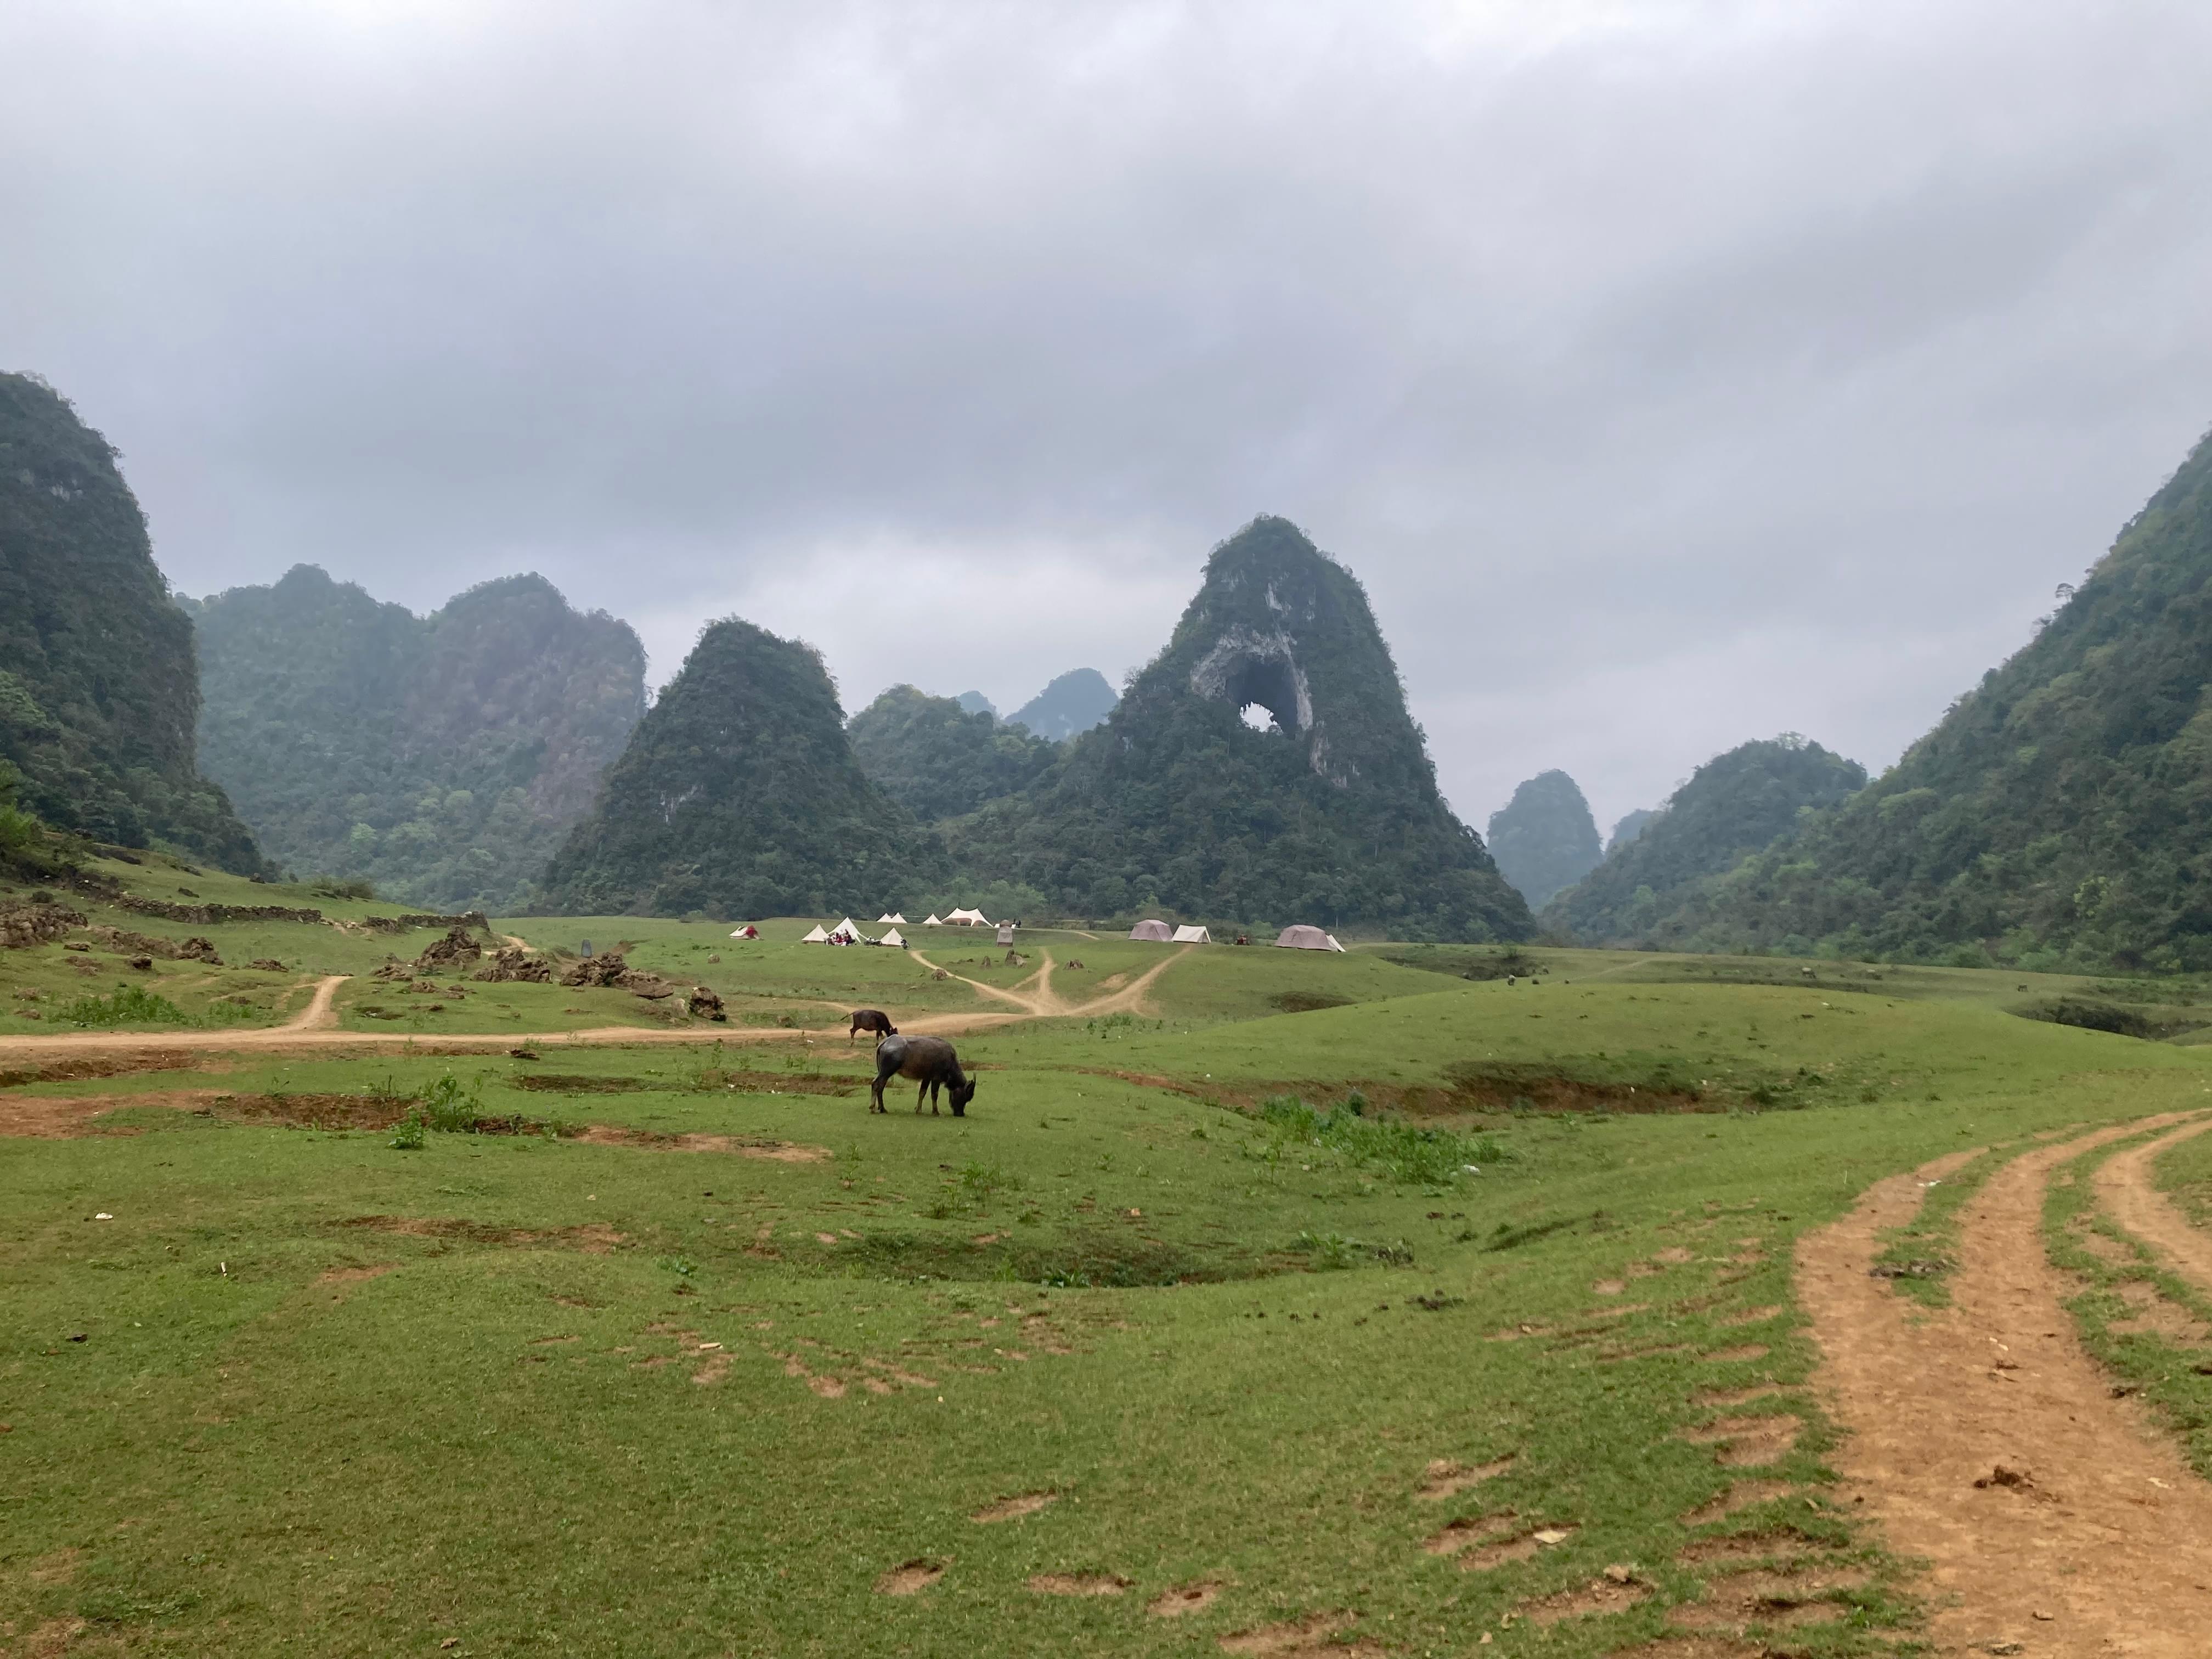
337	1397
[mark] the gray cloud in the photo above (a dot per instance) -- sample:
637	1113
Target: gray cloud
1672	374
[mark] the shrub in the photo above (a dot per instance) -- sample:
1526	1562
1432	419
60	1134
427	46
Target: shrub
1413	1156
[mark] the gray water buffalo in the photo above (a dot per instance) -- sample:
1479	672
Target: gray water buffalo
870	1019
929	1061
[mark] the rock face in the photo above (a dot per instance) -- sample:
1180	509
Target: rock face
1262	768
939	760
2055	815
738	795
1076	702
99	692
1544	838
442	757
1734	804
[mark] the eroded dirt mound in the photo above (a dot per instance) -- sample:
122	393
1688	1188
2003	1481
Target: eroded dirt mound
449	955
513	963
36	924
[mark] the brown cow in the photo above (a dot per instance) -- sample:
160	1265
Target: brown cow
871	1019
927	1060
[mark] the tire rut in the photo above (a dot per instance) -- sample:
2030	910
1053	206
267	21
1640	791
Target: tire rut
2109	1550
2126	1193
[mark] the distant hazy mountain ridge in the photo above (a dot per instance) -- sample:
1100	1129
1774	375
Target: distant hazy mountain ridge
1331	816
99	691
1544	838
442	756
1074	702
937	759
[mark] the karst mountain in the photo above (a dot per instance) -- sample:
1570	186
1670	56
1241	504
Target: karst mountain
1544	838
99	691
1262	768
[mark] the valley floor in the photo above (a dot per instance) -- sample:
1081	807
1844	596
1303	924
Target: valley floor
1262	1303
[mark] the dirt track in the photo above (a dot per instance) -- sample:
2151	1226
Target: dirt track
2124	1192
2109	1550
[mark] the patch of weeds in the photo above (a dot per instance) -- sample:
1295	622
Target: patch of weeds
1113	1026
1332	1252
1307	1002
1408	1155
134	1005
411	1132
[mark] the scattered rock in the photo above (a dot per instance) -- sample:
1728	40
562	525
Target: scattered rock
268	966
458	947
515	964
2018	1479
704	1004
36	924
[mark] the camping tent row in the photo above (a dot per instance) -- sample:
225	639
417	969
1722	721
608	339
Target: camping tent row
1295	938
845	932
896	920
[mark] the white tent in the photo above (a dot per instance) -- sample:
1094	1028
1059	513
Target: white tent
816	936
846	930
1307	938
931	922
893	938
746	932
1153	931
896	920
968	918
1188	934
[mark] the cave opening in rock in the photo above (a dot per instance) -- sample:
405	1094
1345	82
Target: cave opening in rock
1262	688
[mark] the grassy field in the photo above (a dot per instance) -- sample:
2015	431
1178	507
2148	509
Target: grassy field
1350	1295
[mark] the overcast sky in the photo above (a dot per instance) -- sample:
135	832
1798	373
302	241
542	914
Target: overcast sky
1672	374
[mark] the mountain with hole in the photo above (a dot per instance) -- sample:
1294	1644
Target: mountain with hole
737	796
1651	889
99	691
1262	769
2055	815
442	757
1544	838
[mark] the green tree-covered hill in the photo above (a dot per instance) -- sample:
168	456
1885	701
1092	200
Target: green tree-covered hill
98	692
1649	890
1075	702
2061	811
738	796
1544	838
442	756
938	760
1322	807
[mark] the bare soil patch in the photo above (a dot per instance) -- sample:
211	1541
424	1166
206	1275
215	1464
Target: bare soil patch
2125	1192
1078	1583
92	1065
776	1152
1300	1638
1521	1547
2120	1551
910	1577
1184	1598
1013	1509
1799	1596
1445	1479
1468	1531
1618	1590
1695	1647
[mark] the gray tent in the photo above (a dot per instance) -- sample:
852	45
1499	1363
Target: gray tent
1307	938
1158	932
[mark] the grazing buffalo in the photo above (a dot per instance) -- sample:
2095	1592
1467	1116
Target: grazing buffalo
870	1019
930	1062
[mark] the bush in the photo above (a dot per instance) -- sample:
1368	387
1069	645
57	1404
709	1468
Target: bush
1413	1156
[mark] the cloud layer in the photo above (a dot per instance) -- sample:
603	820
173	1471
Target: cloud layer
1672	374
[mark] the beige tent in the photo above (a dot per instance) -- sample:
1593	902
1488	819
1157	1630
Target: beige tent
846	930
968	918
746	932
896	920
1307	938
1188	934
931	921
894	938
1158	932
816	937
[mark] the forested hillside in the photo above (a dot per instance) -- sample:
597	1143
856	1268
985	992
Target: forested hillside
99	692
1330	815
2059	812
1647	890
1544	838
938	760
442	757
738	796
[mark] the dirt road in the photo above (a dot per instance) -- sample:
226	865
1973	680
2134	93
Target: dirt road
2103	1546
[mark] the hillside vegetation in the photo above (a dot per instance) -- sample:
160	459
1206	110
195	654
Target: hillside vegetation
441	757
738	796
1075	702
2056	814
1544	838
939	760
1651	889
99	692
1329	815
